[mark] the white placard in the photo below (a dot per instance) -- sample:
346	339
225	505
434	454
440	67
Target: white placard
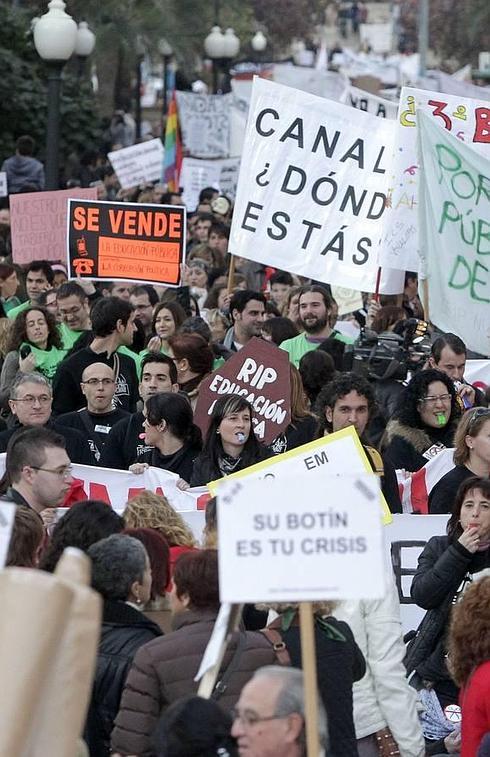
295	540
3	184
7	515
362	100
455	233
138	164
312	188
205	124
468	120
197	174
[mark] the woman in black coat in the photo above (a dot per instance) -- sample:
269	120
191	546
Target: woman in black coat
445	566
121	573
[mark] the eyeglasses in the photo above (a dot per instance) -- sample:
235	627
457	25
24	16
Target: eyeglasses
43	399
96	382
64	473
250	719
477	413
432	399
71	311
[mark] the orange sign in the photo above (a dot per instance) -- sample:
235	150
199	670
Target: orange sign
126	241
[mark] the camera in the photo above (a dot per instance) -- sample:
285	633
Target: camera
390	355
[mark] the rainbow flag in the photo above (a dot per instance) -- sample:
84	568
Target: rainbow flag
172	160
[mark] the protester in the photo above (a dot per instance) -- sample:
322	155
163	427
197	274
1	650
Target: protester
82	525
471	458
99	416
39	278
385	712
164	670
167	318
424	422
411	300
23	171
445	566
9	284
316	369
34	345
74	311
174	441
291	310
278	329
125	443
193	359
143	298
348	400
230	444
197	325
339	662
281	283
387	317
121	573
150	510
315	315
194	727
113	327
448	354
469	663
247	312
157	608
27	539
269	718
303	426
38	471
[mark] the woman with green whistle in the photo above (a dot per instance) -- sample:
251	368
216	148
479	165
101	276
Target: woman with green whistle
423	423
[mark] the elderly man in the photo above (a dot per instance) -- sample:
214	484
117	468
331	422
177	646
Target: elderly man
99	416
269	718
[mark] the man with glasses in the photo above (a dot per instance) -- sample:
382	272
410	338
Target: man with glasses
269	719
448	354
38	468
74	311
143	298
99	416
30	403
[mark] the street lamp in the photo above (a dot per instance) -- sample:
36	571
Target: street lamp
259	42
166	51
55	38
221	48
140	54
84	45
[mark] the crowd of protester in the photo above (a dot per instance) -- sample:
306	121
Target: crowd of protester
109	373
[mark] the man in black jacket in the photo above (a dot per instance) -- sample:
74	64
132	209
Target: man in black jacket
113	328
125	444
30	403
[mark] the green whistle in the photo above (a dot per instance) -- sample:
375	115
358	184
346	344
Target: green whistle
441	419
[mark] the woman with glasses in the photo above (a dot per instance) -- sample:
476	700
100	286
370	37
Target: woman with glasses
471	458
34	345
423	423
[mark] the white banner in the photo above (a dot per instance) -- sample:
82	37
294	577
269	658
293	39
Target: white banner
3	184
466	119
7	515
322	83
197	174
293	539
455	233
312	187
205	124
477	372
362	100
138	164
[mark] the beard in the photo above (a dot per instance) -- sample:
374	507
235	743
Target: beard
314	324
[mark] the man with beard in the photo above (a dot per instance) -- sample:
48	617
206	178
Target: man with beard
247	310
315	314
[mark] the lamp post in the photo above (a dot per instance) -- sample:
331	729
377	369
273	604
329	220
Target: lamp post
140	54
259	42
166	51
84	45
221	48
55	36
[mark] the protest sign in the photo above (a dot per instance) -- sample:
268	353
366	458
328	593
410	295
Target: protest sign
38	223
126	241
377	106
468	120
259	372
348	300
3	184
293	539
321	83
7	514
455	232
477	372
312	187
197	174
341	453
205	124
138	164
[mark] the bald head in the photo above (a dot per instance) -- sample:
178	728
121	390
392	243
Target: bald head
98	386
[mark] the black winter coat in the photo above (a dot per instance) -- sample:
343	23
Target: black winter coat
124	631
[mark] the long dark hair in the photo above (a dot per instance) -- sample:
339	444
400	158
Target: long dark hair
407	410
454	528
18	333
175	309
176	411
230	403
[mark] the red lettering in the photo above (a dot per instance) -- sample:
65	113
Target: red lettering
175	226
438	111
161	223
79	218
482	129
130	221
134	492
115	219
203	500
93	219
99	491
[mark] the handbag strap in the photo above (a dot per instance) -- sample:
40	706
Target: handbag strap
222	684
280	649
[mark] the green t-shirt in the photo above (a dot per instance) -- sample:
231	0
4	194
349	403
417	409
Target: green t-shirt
47	361
14	312
300	345
68	335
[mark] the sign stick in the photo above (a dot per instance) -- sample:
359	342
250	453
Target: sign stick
378	282
231	274
208	681
425	298
308	657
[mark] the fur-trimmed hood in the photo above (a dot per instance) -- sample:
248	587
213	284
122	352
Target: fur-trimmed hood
419	439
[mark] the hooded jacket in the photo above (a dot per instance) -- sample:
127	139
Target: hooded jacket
411	447
23	171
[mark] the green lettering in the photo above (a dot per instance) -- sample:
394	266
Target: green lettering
475	280
459	260
448	160
483	235
446	215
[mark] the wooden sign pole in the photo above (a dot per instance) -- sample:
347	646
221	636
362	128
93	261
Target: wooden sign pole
308	657
425	296
231	274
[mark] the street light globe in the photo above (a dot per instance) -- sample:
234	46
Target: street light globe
259	42
55	33
214	43
231	44
85	40
165	48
